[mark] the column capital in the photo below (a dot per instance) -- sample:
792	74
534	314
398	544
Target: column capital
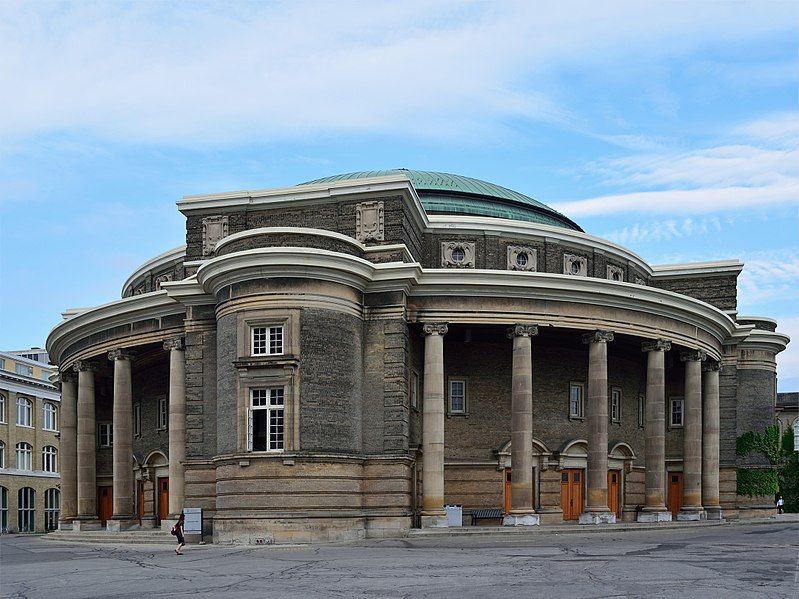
121	354
694	355
66	376
522	330
598	336
711	365
84	365
656	345
174	343
437	328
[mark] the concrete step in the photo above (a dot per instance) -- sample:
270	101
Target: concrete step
553	529
141	537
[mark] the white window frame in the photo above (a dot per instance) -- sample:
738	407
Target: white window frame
641	410
25	409
137	419
24	456
579	412
672	403
267	340
3	510
26	509
49	417
163	413
105	434
49	459
52	509
450	395
413	390
3	407
272	401
2	454
18	368
615	405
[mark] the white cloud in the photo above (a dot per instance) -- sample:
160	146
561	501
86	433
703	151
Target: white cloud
768	276
664	230
788	360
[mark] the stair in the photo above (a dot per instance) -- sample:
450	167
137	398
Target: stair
141	537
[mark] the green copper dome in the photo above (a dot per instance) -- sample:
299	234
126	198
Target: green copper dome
443	193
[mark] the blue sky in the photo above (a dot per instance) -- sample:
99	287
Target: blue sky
668	127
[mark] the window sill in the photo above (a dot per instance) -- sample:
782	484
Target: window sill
458	414
577	418
24	425
268	360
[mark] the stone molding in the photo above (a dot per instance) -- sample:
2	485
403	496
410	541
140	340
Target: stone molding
170	257
614	273
85	365
572	260
121	354
711	366
514	251
449	247
694	355
435	328
640	281
214	229
697	269
598	336
175	343
656	345
166	278
369	221
522	330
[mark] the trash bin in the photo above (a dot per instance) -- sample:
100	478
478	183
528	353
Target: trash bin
454	515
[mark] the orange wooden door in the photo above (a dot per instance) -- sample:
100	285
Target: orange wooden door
140	499
614	491
571	493
163	498
105	503
675	492
507	490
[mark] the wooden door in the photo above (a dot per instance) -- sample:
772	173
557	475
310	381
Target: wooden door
507	490
105	503
140	499
571	493
163	497
674	492
614	492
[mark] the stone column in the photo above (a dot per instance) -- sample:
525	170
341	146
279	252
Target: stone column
86	449
177	425
597	511
522	511
692	437
122	448
433	428
68	451
710	441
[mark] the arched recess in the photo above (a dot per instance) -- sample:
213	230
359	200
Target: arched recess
572	454
620	456
540	455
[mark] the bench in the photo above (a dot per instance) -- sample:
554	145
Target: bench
487	514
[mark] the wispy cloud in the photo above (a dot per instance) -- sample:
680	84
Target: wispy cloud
664	230
767	276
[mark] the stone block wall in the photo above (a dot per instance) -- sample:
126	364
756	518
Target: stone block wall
718	291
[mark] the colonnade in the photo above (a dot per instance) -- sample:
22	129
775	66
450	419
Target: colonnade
700	439
79	440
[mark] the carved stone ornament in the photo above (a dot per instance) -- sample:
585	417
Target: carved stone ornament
598	336
457	254
615	273
121	354
522	330
369	222
139	290
576	266
694	355
656	345
214	229
522	258
435	328
640	281
66	376
711	365
161	279
85	365
176	343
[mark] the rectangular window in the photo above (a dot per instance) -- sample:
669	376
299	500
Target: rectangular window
2	364
457	396
676	412
615	405
414	390
137	419
267	341
163	413
266	419
24	369
641	410
105	434
576	400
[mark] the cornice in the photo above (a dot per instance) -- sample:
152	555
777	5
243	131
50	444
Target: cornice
16	384
288	230
173	256
765	340
697	269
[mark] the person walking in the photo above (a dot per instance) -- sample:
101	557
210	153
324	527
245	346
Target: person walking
780	504
177	530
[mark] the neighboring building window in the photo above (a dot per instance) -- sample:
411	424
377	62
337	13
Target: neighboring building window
163	413
49	459
615	405
2	455
24	456
576	400
414	390
3	510
137	419
2	408
105	434
24	369
52	501
45	375
457	396
49	417
26	498
641	410
2	364
266	419
676	412
267	341
24	411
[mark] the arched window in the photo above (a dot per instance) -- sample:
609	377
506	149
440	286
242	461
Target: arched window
52	500
3	510
2	408
24	456
49	459
2	455
24	410
49	417
26	509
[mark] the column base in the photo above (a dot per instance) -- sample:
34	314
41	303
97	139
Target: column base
691	515
118	524
435	520
521	520
86	524
597	518
653	516
713	512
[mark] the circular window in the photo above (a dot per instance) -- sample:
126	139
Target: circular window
521	259
458	255
574	267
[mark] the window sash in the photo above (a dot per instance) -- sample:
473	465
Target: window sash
106	435
163	413
676	412
137	419
49	417
576	400
24	411
615	405
50	459
414	390
24	456
266	341
641	411
457	396
2	408
266	420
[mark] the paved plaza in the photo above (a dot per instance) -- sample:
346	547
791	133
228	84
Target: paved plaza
726	561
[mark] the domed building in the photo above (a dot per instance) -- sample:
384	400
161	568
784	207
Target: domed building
344	358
